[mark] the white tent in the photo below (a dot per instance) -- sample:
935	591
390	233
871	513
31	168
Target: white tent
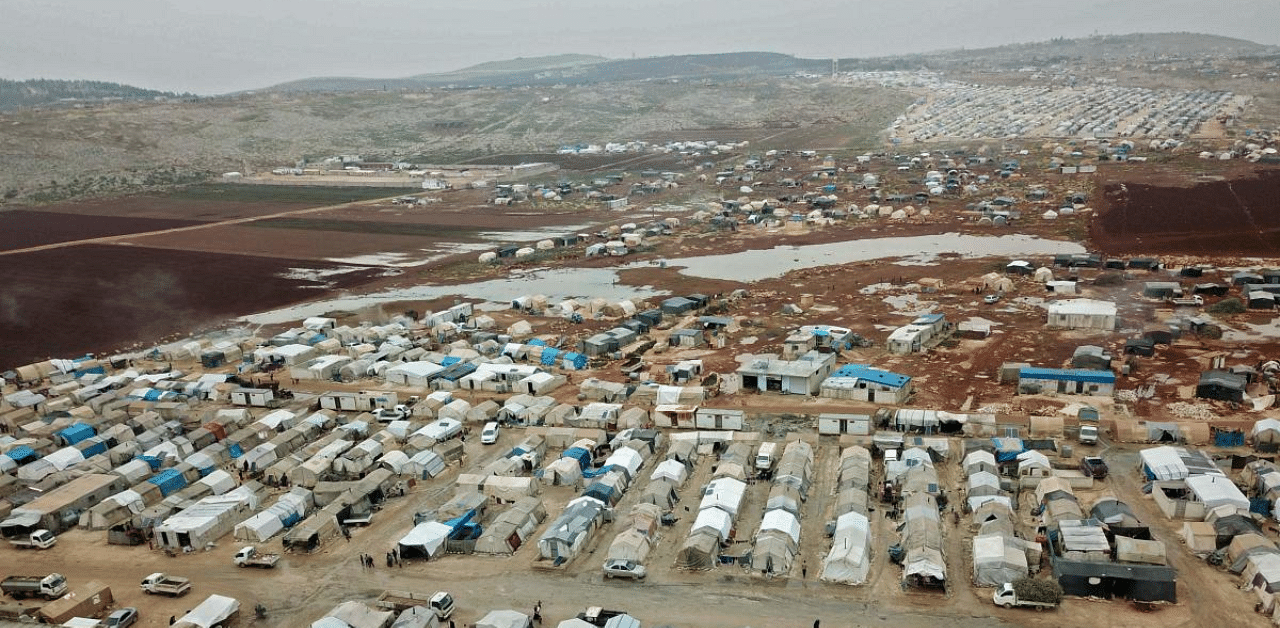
1163	463
1217	490
214	610
395	461
219	482
714	520
849	560
782	521
625	458
725	494
258	528
424	464
563	471
425	540
672	470
504	619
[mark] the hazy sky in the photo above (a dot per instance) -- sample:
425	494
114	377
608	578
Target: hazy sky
217	46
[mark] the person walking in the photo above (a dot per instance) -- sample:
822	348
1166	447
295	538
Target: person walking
815	623
804	570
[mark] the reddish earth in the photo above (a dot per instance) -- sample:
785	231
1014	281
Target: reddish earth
1235	215
97	298
21	229
171	207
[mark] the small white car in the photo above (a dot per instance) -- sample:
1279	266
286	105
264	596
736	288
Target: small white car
619	568
489	435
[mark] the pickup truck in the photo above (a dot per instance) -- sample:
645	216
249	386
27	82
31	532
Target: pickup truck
50	587
440	602
1094	467
39	539
1194	300
248	556
164	584
1007	597
597	616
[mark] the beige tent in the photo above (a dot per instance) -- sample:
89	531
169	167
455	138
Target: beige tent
699	551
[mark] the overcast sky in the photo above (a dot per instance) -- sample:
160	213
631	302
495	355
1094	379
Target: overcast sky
217	46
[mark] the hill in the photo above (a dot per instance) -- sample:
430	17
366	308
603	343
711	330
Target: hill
1086	49
577	70
586	69
47	92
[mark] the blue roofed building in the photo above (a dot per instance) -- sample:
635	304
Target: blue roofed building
861	382
1035	380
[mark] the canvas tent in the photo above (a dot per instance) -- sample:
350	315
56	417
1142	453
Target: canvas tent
997	560
849	560
425	540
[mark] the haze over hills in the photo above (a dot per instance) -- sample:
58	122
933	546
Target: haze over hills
579	69
586	69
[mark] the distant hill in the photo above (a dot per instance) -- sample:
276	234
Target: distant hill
48	92
1100	47
587	69
577	70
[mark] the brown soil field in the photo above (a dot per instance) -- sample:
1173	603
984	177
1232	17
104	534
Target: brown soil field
1168	213
21	229
293	244
97	298
214	202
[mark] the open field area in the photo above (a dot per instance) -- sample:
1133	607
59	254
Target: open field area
99	297
22	229
1186	216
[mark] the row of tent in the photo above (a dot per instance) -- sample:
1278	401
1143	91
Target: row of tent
778	540
999	554
721	500
849	560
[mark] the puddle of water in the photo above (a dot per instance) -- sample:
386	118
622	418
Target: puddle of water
766	264
557	285
397	259
1252	332
530	235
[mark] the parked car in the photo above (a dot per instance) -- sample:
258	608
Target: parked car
1094	467
121	617
489	435
991	298
619	568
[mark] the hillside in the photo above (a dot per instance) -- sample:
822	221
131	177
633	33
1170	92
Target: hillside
1087	49
577	70
46	92
586	69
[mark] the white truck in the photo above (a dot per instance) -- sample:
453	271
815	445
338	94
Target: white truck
1088	433
50	587
1194	300
440	602
165	584
38	539
766	456
248	556
1007	597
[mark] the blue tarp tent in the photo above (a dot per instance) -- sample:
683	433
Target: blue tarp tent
151	461
170	481
575	361
22	453
581	455
93	446
75	433
1007	448
549	356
